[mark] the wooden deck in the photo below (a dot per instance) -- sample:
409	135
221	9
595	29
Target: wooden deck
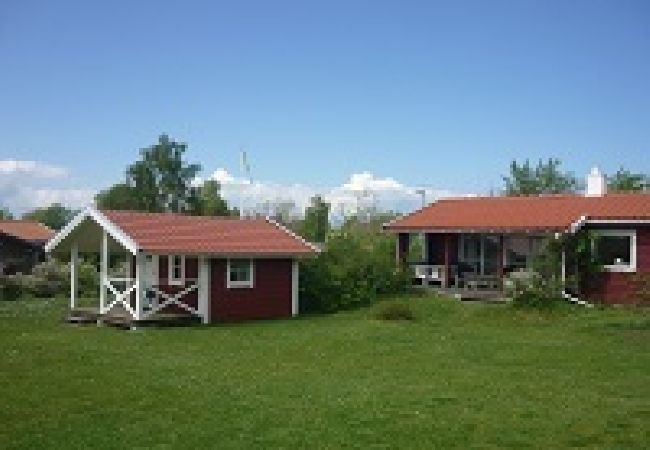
120	318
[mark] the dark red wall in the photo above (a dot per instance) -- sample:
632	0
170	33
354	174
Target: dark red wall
618	287
269	298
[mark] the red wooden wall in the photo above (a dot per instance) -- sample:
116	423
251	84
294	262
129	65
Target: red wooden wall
618	287
269	298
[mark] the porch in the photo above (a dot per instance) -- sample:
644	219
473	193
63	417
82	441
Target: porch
120	318
468	265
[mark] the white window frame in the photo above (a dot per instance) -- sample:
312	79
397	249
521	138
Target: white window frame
170	270
628	268
241	284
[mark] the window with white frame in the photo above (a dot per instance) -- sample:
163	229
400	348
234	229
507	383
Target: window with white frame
176	274
240	273
616	250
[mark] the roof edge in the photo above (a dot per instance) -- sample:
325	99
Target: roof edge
302	240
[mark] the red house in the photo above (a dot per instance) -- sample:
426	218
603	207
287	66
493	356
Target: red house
472	245
214	268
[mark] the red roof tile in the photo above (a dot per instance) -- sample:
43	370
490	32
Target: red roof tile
169	233
554	212
26	230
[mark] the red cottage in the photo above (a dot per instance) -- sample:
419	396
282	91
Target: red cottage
214	268
472	245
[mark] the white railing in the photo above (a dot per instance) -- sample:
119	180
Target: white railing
430	273
172	298
121	297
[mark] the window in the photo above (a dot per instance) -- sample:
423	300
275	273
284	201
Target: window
240	273
616	250
176	273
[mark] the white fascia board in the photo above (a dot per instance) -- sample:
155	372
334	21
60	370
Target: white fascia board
113	230
584	220
314	247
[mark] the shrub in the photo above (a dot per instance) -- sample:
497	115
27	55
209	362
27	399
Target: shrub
49	279
353	270
394	311
535	292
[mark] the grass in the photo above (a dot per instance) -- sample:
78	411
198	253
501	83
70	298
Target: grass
461	375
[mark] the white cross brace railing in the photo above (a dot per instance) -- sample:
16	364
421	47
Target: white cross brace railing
173	299
120	296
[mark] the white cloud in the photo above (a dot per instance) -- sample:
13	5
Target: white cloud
361	190
25	185
31	168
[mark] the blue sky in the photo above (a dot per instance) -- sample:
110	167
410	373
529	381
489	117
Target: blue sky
437	93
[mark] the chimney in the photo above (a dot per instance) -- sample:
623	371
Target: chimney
596	183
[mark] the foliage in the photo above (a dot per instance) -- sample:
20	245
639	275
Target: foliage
545	178
546	286
394	311
624	180
54	216
642	291
120	196
316	223
208	200
160	181
49	279
5	214
355	267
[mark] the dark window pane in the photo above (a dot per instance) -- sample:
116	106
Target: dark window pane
614	250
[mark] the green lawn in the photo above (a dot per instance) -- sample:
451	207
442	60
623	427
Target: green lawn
462	375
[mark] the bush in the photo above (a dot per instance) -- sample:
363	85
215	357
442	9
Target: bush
49	279
395	311
535	292
353	270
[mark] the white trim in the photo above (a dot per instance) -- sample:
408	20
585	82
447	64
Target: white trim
313	247
295	288
204	289
171	280
103	272
585	220
139	282
623	268
240	284
74	274
101	220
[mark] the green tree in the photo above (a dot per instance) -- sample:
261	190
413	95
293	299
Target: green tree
119	196
624	180
545	178
54	216
160	181
316	223
207	201
5	214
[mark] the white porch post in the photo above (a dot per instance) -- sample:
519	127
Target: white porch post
103	272
74	268
563	268
139	278
204	289
295	286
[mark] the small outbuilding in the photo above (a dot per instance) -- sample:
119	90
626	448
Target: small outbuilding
21	245
213	268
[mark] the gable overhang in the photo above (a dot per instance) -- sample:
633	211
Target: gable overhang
90	213
586	221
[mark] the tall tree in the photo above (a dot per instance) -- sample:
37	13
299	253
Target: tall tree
545	178
160	181
207	200
54	216
316	223
624	180
5	214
